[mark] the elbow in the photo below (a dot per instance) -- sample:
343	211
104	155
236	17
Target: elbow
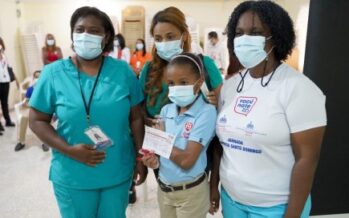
187	164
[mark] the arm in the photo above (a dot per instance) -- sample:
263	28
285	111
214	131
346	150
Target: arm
137	129
44	56
186	158
59	53
39	123
214	179
127	55
306	148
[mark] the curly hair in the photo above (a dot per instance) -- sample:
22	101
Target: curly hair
272	16
175	17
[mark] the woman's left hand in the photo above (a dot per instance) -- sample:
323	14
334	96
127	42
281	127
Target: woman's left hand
140	173
214	200
212	98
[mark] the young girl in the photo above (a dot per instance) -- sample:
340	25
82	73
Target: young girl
183	187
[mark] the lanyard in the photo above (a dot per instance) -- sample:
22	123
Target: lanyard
88	105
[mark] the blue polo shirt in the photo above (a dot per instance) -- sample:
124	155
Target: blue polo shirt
58	91
196	124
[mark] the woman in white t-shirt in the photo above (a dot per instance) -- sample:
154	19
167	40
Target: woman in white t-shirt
120	50
271	120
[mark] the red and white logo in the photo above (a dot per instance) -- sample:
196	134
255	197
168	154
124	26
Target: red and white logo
188	126
244	105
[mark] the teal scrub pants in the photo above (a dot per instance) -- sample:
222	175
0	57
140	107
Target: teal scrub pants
108	202
233	209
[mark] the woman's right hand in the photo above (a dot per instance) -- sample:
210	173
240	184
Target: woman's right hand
150	121
86	154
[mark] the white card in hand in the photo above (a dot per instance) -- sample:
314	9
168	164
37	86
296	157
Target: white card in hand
158	141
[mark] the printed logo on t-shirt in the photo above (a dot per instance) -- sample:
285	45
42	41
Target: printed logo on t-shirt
187	127
244	105
223	119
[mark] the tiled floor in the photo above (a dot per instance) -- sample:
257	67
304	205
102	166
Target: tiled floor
25	191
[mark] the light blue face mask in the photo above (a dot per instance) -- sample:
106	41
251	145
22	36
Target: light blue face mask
182	96
250	50
87	46
167	50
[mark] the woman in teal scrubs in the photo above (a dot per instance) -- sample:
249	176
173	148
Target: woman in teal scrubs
97	102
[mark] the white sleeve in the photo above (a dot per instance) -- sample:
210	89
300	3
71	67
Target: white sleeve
127	54
305	106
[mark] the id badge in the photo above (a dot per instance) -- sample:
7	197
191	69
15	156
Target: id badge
100	139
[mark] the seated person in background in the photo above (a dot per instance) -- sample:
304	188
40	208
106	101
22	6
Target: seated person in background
51	52
22	112
139	57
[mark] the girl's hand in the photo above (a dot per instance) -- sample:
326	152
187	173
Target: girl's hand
151	160
159	123
150	121
86	154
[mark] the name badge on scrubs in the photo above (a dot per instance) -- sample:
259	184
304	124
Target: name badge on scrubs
100	139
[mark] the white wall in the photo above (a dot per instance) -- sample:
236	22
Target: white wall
52	16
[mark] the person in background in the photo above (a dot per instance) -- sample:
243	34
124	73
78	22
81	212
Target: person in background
196	48
172	37
91	94
139	57
23	115
120	51
216	51
5	80
271	133
51	52
192	121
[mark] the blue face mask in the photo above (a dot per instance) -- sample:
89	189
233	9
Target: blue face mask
250	50
182	95
167	50
87	46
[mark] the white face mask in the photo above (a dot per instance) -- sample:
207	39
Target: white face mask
139	46
250	50
116	43
87	46
50	42
182	95
167	50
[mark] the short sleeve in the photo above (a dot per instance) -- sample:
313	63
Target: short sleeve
143	75
29	92
213	72
136	94
43	98
305	108
204	126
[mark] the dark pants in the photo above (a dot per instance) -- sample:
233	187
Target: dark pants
4	92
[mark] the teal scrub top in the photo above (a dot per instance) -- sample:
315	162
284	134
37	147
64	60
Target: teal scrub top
58	92
162	99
